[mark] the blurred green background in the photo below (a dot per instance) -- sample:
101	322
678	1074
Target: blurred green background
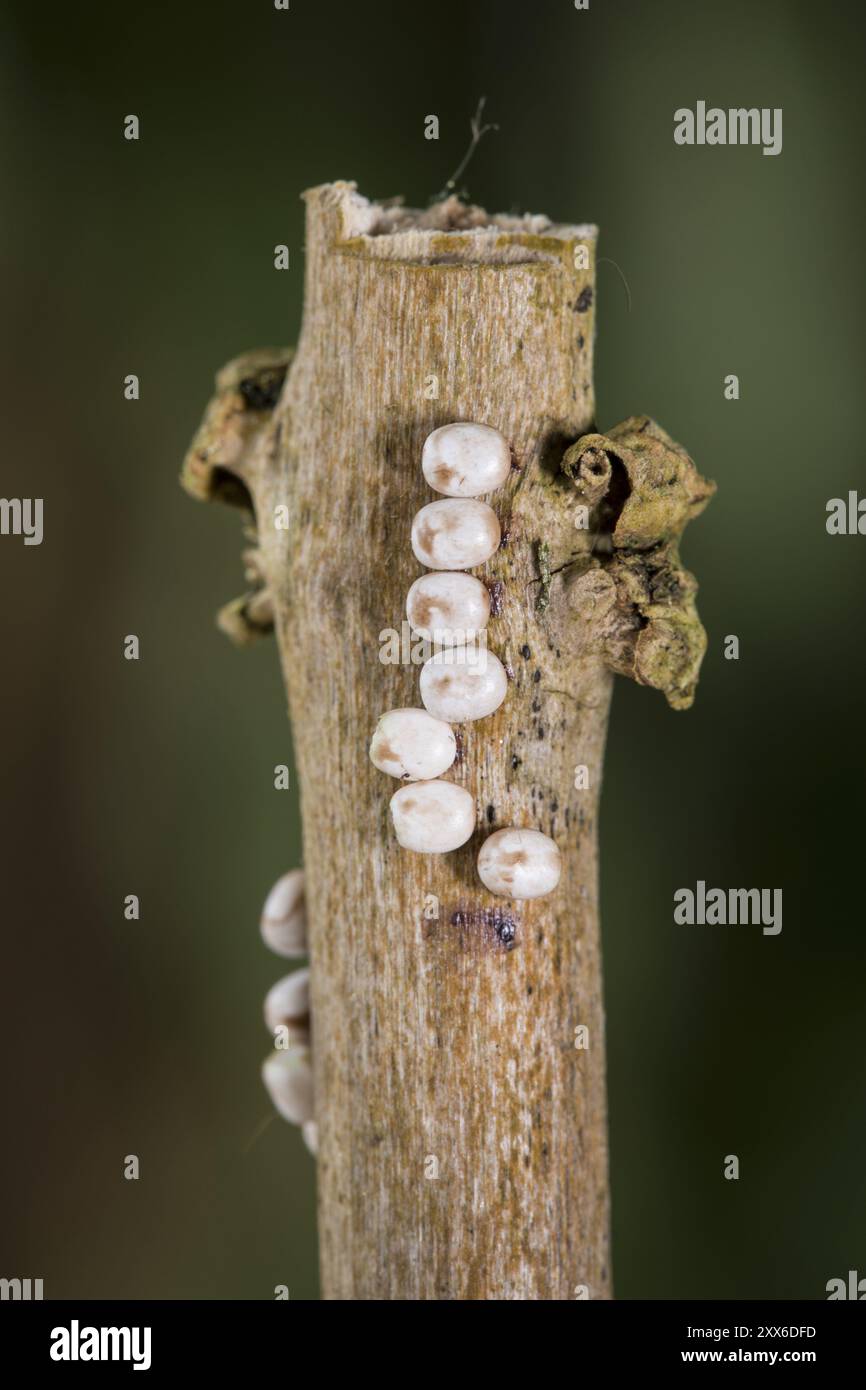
156	777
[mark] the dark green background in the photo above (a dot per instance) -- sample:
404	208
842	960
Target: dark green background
156	777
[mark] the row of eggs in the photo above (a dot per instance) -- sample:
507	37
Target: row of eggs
450	608
287	1071
460	682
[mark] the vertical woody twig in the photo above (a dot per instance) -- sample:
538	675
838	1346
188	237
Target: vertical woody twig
458	1038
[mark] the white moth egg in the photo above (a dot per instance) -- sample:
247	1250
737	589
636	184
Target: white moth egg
448	608
411	744
288	1078
455	534
519	864
287	1004
433	817
284	916
464	460
463	683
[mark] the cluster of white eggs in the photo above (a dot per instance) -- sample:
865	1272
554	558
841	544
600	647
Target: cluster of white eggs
462	680
450	609
287	1071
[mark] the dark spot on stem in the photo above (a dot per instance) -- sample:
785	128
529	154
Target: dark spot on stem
495	920
506	933
496	589
458	739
